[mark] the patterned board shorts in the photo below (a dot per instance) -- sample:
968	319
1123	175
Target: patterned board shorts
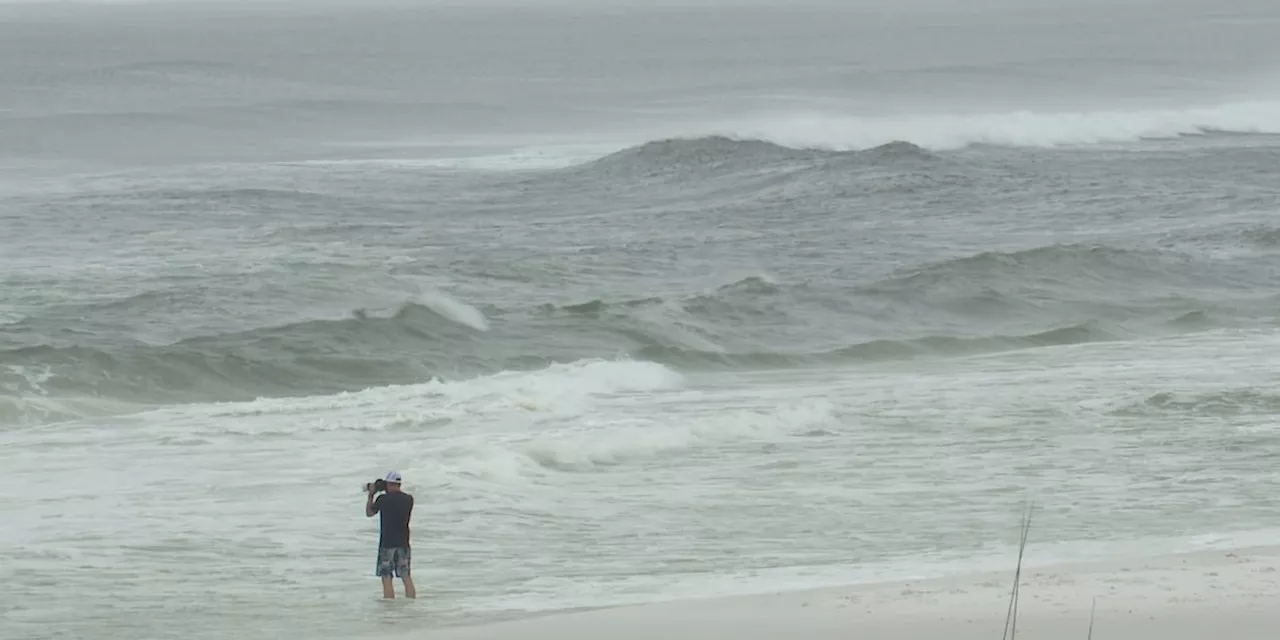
393	559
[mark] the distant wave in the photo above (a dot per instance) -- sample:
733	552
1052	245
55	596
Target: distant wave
719	155
170	70
838	132
714	152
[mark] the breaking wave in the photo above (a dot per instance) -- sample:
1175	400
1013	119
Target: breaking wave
815	130
988	302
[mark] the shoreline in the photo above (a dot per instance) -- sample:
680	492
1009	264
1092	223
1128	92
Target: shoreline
1186	596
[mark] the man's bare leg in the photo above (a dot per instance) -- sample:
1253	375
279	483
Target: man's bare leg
388	588
409	590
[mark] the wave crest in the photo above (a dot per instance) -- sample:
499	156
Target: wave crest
701	157
836	132
709	154
883	350
1067	265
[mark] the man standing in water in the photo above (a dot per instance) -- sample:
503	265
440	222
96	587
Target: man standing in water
396	508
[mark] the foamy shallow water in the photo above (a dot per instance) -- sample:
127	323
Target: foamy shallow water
613	482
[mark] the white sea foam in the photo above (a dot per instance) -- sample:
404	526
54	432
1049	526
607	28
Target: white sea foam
591	443
559	388
837	131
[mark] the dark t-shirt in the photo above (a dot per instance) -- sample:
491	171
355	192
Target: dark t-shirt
395	507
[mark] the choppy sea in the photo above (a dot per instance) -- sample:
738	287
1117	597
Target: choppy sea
646	303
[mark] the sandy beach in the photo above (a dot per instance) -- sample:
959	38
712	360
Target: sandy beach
1212	594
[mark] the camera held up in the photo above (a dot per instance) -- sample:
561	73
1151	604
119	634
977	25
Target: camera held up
377	486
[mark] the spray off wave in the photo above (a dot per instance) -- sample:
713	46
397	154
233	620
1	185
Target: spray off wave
817	130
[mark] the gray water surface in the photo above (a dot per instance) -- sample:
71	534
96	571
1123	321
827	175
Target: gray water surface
645	303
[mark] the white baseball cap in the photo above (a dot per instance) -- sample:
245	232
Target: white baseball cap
394	477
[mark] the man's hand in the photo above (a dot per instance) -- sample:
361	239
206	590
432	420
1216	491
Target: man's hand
368	505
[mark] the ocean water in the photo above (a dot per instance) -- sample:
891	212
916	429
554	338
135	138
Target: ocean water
646	303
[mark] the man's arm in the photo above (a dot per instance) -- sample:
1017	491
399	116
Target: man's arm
371	506
407	517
